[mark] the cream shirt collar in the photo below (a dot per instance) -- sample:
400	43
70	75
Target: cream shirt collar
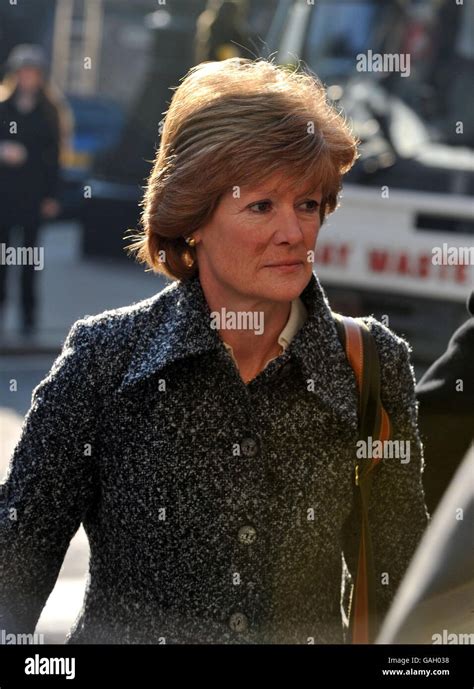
297	317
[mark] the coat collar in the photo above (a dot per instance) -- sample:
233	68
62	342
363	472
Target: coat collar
180	329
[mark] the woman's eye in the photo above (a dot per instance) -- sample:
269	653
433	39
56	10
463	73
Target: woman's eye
311	205
260	206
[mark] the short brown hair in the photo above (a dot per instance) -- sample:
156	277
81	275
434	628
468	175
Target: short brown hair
232	123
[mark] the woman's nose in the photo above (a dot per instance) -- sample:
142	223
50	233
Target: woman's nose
289	226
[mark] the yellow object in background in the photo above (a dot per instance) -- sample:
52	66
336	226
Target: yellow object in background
227	50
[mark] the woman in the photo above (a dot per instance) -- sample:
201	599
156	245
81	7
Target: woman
206	436
33	120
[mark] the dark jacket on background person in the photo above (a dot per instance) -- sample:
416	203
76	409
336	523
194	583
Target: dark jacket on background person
23	187
446	413
216	512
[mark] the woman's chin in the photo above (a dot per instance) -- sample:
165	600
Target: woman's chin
285	285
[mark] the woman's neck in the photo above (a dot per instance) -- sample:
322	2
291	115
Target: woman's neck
251	327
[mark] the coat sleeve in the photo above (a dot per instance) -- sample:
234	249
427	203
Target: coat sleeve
397	511
49	484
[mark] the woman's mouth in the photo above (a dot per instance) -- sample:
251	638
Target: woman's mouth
286	266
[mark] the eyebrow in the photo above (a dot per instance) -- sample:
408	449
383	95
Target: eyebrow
269	192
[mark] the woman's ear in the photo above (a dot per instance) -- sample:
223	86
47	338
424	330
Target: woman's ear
197	234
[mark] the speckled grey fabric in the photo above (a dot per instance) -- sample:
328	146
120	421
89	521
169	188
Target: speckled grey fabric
144	431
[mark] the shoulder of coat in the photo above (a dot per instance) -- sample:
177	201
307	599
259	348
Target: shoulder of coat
121	322
387	340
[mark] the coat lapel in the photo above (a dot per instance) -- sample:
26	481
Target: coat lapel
322	356
178	327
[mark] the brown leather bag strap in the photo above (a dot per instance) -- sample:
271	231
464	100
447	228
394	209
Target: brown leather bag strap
361	352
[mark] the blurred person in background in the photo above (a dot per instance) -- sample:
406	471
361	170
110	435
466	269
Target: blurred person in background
221	31
34	125
446	410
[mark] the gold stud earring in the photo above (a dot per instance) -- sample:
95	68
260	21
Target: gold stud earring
190	241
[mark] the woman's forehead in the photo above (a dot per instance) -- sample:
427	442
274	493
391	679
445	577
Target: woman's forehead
279	186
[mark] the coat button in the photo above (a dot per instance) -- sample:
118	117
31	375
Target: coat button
249	447
238	622
247	535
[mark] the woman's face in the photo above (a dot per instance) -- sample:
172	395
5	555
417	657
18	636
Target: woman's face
253	229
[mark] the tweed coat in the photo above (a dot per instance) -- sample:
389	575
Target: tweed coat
216	512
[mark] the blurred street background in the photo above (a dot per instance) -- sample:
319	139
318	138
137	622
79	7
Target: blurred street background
114	61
